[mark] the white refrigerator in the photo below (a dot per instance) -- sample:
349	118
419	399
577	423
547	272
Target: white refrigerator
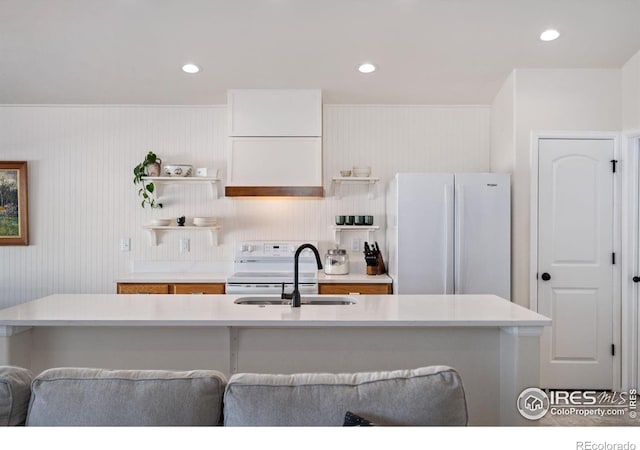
449	233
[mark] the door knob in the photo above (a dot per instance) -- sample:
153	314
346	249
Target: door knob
636	279
546	277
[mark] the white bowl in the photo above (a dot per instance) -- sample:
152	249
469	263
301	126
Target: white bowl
205	221
178	170
160	222
361	171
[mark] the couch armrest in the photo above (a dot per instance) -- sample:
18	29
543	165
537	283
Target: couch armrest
15	390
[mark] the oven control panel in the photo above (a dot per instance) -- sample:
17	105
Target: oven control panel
279	249
270	249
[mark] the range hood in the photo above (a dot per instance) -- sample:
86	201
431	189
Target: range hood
275	166
275	143
273	191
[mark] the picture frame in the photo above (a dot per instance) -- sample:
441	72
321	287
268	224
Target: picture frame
14	210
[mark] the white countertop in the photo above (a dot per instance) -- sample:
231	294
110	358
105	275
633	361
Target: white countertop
177	277
354	278
185	277
219	310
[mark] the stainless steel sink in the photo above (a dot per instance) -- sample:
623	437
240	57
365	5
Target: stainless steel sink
306	300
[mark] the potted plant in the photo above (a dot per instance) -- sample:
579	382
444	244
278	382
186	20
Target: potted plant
149	167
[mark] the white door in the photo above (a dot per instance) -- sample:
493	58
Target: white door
482	234
422	233
575	262
635	277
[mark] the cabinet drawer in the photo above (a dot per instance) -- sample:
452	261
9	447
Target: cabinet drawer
143	288
199	288
353	288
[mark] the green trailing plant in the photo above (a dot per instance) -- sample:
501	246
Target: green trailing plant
147	189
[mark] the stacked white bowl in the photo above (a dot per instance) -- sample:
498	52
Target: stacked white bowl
160	222
361	171
205	221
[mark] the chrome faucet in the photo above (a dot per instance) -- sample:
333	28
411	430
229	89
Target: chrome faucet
295	295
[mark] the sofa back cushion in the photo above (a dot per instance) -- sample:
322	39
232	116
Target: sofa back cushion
425	396
99	397
15	389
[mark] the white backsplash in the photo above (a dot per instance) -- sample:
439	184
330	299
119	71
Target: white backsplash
198	267
82	200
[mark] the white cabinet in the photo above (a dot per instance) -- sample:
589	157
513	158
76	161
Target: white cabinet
275	112
275	143
275	162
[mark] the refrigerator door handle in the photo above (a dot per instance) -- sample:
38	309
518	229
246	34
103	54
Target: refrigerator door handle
448	244
459	226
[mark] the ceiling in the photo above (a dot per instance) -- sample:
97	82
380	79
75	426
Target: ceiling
427	51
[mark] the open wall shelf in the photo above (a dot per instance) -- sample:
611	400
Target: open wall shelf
159	181
338	229
153	232
339	181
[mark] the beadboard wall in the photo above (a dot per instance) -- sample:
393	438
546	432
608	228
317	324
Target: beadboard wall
82	200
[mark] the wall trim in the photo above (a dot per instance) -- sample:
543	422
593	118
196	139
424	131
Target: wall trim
631	261
398	105
104	105
224	105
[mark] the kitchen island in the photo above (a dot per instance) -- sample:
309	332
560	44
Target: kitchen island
493	343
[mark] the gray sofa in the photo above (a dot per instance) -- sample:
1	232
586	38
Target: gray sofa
99	397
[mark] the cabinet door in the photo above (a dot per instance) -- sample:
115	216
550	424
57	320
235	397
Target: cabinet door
275	112
354	288
275	162
143	288
199	288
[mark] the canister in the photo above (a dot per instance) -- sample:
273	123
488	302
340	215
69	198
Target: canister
336	262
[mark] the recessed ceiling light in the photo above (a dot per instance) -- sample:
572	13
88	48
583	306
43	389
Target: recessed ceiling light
549	35
190	68
366	68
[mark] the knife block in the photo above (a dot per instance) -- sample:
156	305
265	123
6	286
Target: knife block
378	269
381	268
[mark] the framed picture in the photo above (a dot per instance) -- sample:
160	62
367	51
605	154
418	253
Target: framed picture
14	220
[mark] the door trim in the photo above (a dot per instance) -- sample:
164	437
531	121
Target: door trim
536	136
630	261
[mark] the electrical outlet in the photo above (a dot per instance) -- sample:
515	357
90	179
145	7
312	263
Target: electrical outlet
125	244
184	245
356	244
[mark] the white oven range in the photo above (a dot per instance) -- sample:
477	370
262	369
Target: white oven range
263	267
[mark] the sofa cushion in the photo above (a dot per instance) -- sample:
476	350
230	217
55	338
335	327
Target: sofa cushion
425	396
99	397
15	389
